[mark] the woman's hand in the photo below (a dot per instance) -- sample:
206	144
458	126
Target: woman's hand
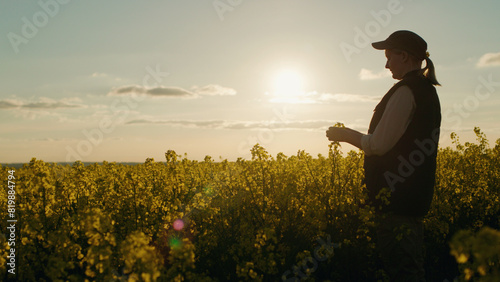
336	133
344	134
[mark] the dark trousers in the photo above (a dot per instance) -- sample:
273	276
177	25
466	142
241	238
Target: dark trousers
400	240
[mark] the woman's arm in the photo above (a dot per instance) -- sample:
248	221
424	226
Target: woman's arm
344	134
391	127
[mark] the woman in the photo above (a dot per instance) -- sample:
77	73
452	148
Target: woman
400	154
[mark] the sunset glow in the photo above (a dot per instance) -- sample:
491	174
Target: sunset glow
211	77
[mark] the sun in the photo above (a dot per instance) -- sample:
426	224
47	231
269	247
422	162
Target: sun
288	84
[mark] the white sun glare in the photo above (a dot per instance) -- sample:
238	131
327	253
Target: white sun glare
288	86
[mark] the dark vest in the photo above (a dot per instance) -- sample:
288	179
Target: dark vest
408	169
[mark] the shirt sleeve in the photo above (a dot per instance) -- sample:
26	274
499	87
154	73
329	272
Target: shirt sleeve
397	115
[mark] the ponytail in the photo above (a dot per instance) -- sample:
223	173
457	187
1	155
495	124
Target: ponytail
430	72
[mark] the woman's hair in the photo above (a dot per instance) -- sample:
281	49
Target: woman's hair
429	71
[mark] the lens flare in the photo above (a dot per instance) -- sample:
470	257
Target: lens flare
175	243
178	224
209	191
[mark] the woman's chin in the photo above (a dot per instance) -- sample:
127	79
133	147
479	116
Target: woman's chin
396	76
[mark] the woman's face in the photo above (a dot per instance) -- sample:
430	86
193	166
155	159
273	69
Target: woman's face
396	63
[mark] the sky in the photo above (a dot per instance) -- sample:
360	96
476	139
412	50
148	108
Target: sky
124	80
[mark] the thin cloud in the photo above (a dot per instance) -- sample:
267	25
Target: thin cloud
281	125
104	76
48	139
173	91
169	92
366	74
214	124
49	105
241	125
5	104
324	98
214	90
344	97
489	60
99	74
43	103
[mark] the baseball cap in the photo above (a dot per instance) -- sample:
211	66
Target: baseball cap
404	40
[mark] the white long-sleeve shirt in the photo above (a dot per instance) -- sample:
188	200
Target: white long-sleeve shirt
397	115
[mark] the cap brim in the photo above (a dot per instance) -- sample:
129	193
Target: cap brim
381	45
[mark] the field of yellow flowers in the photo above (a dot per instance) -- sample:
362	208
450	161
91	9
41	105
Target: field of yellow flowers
271	218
